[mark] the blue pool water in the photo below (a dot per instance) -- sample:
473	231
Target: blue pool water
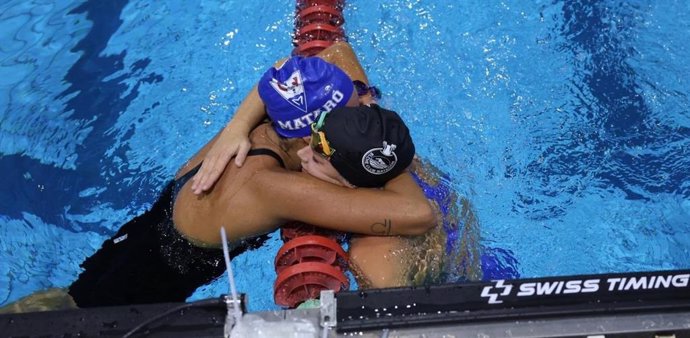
566	123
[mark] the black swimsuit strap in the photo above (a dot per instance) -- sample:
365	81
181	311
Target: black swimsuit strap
254	152
266	151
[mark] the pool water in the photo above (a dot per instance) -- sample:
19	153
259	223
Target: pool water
565	123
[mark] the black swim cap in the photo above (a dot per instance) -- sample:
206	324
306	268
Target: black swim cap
372	145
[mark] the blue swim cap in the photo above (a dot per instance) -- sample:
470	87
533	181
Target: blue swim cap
296	93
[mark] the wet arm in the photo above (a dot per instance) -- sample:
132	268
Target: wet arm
342	55
233	140
398	209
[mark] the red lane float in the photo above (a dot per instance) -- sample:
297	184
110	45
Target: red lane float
319	32
304	281
311	260
310	248
318	24
337	4
319	14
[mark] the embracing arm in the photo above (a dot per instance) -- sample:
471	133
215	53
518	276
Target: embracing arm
342	55
232	140
398	209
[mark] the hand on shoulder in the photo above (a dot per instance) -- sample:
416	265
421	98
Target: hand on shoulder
228	144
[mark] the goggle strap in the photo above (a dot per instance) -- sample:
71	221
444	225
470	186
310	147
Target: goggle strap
319	123
324	144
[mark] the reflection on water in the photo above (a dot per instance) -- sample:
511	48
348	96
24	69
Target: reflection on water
618	141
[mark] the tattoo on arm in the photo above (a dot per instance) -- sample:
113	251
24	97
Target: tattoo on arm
382	229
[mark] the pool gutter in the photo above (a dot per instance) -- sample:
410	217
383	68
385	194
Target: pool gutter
650	304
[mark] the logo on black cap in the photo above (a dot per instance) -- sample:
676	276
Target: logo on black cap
379	161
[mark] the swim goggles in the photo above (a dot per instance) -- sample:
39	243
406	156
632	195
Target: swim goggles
363	89
318	142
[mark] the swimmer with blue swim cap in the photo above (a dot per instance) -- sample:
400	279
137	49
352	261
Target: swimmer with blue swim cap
299	90
307	96
294	94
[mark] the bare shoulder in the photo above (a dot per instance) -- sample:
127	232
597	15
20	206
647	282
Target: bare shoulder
197	158
280	63
335	48
338	53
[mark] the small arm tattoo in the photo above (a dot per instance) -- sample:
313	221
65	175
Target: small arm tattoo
382	229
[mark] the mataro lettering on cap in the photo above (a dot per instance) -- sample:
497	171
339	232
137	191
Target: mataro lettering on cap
292	90
379	161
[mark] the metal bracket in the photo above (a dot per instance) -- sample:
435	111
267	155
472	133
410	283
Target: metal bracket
230	321
328	309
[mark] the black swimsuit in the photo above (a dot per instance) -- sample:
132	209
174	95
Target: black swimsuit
148	261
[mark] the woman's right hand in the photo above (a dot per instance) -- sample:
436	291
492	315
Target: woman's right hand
228	144
233	140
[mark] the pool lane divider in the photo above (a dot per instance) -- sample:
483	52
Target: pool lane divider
318	24
312	259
